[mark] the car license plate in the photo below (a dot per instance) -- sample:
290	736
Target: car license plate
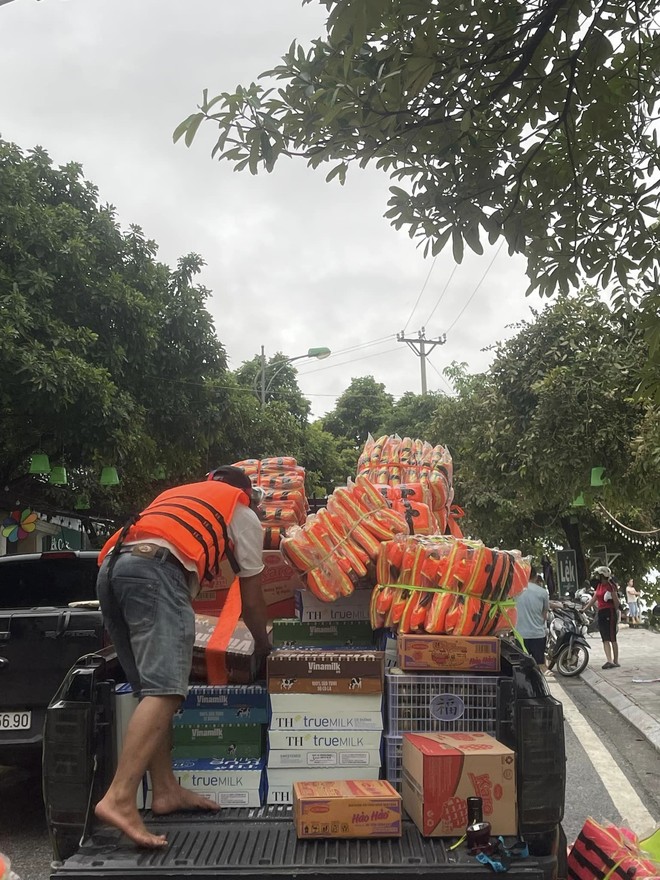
15	720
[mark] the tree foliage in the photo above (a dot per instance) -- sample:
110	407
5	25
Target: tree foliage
528	120
556	402
107	356
362	409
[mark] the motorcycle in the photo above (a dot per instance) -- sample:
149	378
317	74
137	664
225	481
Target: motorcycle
566	645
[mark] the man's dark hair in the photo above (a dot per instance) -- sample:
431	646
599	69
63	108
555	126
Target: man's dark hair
533	572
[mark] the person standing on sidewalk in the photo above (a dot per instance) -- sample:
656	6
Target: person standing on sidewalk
632	596
606	599
532	610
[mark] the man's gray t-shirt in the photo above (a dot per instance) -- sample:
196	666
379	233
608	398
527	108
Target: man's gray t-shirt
530	605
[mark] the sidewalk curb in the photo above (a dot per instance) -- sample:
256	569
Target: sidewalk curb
641	720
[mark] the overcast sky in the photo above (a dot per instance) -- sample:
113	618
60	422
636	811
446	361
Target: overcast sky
293	262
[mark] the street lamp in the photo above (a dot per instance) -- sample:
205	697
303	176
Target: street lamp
319	353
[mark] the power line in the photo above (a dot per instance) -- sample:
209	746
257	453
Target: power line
419	346
361	345
474	292
352	361
405	326
433	367
444	290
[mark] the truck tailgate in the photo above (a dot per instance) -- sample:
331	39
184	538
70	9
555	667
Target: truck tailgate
262	842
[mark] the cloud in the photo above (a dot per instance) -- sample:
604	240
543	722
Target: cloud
293	262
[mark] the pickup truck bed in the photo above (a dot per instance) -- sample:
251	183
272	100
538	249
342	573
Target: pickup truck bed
262	843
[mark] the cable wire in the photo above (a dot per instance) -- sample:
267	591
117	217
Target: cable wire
444	290
420	295
474	292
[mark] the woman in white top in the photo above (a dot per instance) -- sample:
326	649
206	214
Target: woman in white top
633	606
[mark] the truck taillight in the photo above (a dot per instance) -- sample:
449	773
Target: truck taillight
541	771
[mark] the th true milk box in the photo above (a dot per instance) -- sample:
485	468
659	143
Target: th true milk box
356	740
227	782
289	633
301	720
325	672
309	609
326	705
317	758
281	781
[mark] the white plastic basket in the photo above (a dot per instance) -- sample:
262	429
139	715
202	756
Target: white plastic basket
393	753
422	703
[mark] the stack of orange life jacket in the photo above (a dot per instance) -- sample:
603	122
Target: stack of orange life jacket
338	546
285	502
447	586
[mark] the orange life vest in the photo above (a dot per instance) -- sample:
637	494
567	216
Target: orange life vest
193	518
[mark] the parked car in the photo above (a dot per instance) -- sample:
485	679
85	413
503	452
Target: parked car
48	618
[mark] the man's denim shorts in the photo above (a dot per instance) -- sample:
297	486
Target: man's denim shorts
149	617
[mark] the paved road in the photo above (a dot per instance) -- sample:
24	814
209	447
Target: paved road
613	774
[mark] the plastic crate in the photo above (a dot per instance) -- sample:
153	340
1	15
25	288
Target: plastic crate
422	703
393	756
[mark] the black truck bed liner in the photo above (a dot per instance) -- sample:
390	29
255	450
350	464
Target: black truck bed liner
262	843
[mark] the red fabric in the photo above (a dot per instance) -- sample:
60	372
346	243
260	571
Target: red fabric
601	589
216	650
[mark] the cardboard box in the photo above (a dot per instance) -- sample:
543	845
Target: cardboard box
448	653
226	696
233	715
237	664
335	721
280	782
441	770
327	705
125	704
325	672
278	583
346	809
316	740
228	783
346	758
309	609
291	632
216	741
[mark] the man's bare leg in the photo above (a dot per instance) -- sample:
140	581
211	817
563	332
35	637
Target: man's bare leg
607	647
147	734
168	796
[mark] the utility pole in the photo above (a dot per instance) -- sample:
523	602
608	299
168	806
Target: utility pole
419	346
263	376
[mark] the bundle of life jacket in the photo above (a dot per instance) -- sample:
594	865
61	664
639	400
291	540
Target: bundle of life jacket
607	852
414	476
337	547
446	586
284	503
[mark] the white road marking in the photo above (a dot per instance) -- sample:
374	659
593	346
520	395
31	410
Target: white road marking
627	801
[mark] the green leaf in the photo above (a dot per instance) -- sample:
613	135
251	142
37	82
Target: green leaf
193	125
457	245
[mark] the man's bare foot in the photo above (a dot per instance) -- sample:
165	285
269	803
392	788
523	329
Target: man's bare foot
180	799
129	822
